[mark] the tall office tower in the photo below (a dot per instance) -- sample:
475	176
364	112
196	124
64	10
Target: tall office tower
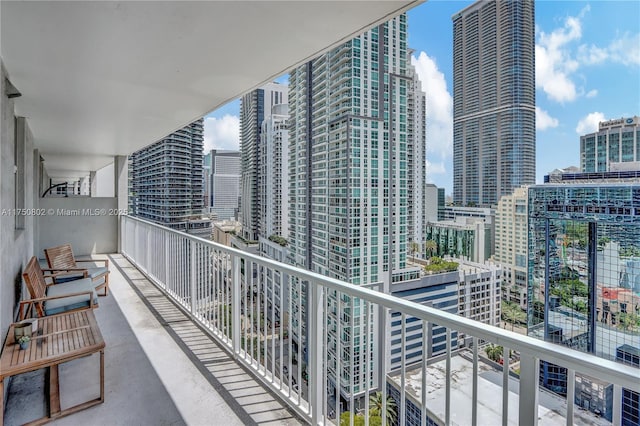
584	280
166	181
416	164
494	140
511	248
349	180
614	147
254	107
273	179
225	183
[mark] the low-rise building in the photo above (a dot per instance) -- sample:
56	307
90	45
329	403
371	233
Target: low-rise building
465	237
551	409
479	291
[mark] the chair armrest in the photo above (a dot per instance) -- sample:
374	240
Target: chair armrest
29	303
106	261
49	273
60	296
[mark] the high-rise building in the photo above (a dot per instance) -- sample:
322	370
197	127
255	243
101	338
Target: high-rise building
255	106
166	181
273	179
350	178
494	148
614	147
584	281
511	248
416	164
225	183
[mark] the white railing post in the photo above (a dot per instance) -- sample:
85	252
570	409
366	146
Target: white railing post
236	312
167	251
192	276
571	394
529	373
617	404
315	347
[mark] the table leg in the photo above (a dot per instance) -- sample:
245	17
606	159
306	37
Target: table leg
101	376
54	391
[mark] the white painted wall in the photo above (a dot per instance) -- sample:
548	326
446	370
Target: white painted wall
16	246
105	182
87	223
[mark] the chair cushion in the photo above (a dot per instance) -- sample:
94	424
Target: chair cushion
56	306
92	272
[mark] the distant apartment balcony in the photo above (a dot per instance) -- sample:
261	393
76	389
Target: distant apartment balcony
204	313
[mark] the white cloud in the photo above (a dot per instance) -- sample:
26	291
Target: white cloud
435	169
554	64
222	133
439	106
544	120
624	50
589	123
558	57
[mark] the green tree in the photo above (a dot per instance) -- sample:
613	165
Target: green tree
494	353
512	313
431	246
375	408
628	321
413	248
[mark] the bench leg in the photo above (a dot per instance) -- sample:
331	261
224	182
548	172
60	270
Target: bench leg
54	391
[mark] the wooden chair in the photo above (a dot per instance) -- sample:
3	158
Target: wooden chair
61	257
51	299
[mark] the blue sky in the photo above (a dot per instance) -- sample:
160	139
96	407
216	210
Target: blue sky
587	70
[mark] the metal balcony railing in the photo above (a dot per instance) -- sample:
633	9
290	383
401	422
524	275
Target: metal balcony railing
287	342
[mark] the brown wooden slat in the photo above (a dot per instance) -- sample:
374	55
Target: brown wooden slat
62	336
72	338
60	257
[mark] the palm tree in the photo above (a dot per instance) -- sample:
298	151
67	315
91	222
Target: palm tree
375	407
494	353
431	246
413	248
512	313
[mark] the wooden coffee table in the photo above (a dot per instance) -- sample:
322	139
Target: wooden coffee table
60	338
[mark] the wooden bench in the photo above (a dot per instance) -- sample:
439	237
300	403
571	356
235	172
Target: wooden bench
50	299
61	257
59	339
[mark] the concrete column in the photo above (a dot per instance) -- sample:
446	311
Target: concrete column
121	183
94	184
121	189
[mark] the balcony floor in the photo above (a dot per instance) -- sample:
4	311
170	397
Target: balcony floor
160	368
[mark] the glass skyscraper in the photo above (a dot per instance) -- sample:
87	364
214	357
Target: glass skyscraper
584	281
494	145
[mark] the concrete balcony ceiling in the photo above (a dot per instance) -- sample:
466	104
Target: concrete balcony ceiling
100	79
